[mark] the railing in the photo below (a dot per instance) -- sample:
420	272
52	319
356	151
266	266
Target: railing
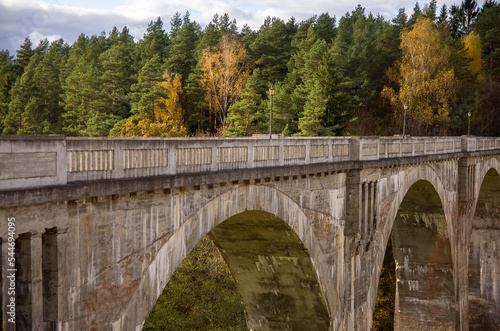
34	161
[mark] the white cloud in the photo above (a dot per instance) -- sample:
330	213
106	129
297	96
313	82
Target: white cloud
36	36
70	18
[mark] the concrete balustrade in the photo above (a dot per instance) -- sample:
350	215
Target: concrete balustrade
38	161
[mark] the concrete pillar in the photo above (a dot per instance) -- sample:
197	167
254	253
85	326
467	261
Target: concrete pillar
51	279
425	293
353	203
63	302
4	288
29	287
462	224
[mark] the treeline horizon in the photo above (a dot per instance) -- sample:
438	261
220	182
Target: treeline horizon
436	70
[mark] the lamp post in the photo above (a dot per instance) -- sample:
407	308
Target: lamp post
404	120
468	127
271	93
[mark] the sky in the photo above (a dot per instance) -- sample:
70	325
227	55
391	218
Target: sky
67	19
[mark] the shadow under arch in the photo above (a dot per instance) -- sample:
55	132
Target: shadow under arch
273	271
424	267
190	231
484	259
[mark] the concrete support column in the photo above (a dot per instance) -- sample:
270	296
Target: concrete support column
462	225
29	287
354	195
63	302
4	288
52	296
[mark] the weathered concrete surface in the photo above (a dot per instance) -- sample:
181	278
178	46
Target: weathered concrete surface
273	272
99	260
424	270
484	257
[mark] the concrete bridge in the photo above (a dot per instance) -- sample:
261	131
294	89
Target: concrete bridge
98	226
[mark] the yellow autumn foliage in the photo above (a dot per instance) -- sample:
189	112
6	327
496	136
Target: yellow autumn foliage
425	79
472	43
224	73
169	122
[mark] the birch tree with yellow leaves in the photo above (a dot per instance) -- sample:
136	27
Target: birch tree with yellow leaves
225	70
424	82
167	119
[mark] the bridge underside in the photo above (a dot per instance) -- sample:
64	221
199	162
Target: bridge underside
484	258
424	293
273	271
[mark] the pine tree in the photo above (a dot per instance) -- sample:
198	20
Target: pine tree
443	15
417	13
400	20
248	115
155	42
48	96
83	99
117	77
35	108
248	36
326	108
272	48
324	28
485	120
182	57
430	10
147	92
23	56
6	83
23	90
463	17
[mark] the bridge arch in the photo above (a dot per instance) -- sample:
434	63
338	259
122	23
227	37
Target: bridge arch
484	245
417	219
238	200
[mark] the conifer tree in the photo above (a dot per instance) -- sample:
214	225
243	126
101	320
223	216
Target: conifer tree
23	90
23	56
6	83
147	92
155	42
324	28
83	99
248	115
325	110
272	48
117	77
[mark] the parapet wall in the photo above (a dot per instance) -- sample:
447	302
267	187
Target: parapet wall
40	161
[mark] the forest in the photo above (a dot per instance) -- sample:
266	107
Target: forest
358	75
435	69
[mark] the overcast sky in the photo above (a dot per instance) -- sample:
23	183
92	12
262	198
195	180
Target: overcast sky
53	19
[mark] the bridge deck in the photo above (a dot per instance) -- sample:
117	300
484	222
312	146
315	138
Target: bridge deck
58	168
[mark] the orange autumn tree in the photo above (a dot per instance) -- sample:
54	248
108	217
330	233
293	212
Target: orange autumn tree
225	70
424	81
168	120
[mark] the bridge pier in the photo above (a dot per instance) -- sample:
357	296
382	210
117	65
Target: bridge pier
424	265
484	255
29	286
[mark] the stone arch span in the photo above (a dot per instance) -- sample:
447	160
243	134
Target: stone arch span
236	201
484	248
417	219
